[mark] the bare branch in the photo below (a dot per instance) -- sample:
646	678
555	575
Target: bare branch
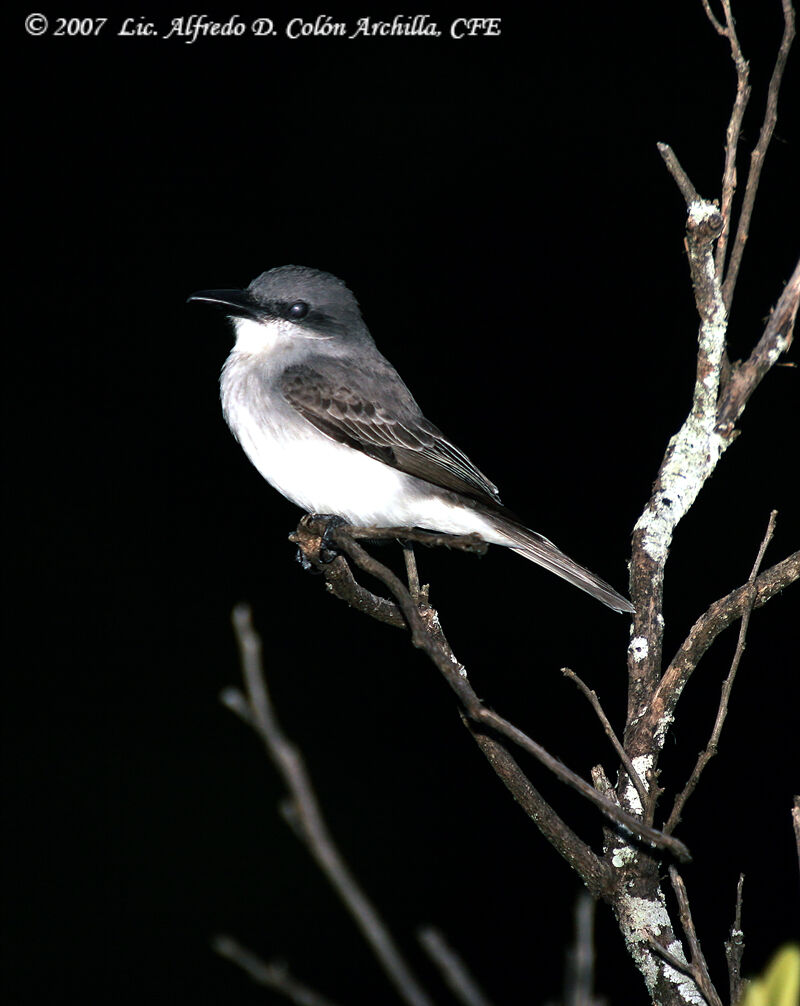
728	30
272	976
734	948
454	971
705	630
719	28
697	961
591	695
596	874
705	756
682	180
314	523
427	633
307	815
438	650
412	573
681	965
691	456
796	824
579	983
758	154
339	580
775	341
694	451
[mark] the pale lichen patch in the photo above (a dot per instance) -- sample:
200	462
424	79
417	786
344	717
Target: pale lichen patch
660	732
623	855
641	917
701	209
638	648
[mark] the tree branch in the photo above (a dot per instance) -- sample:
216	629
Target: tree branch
426	634
777	338
657	718
579	976
694	451
453	970
796	825
634	776
691	456
697	962
728	30
257	711
734	948
758	154
271	975
309	536
705	757
595	874
682	180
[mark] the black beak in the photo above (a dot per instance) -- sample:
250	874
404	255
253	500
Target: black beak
237	303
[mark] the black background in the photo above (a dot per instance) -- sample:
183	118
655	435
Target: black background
500	210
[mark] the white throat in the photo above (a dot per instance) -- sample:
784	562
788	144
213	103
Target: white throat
264	338
257	337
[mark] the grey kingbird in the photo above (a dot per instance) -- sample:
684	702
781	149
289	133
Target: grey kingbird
328	422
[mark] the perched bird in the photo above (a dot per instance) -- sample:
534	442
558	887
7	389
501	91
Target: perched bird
329	423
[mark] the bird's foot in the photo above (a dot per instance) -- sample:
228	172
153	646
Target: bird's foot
323	525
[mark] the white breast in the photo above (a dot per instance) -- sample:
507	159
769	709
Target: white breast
311	469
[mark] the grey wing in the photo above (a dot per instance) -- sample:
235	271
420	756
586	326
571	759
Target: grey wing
342	402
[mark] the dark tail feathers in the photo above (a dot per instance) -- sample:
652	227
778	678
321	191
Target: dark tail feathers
539	550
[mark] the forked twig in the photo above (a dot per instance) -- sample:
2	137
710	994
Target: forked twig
634	776
438	650
728	30
745	377
696	967
758	154
711	749
257	711
716	619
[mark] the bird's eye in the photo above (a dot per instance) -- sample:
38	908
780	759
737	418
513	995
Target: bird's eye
298	310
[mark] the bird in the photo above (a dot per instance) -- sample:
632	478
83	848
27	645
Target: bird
328	422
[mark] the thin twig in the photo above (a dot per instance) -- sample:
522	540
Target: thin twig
684	183
796	825
594	872
453	969
758	154
734	948
720	28
412	573
579	977
728	30
597	876
271	975
454	674
591	695
307	815
705	630
697	961
776	340
676	962
711	749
